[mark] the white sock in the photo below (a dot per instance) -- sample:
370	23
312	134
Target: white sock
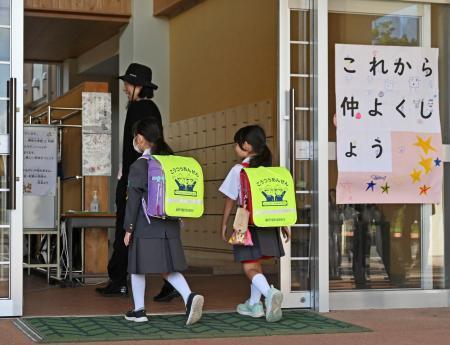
138	287
261	284
255	295
180	284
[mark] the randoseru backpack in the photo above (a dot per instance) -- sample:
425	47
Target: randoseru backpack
246	193
175	187
268	194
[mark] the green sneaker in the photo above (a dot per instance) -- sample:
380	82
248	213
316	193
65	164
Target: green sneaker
273	305
255	310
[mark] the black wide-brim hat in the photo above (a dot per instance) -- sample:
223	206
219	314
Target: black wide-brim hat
139	75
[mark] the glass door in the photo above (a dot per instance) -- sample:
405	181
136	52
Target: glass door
376	249
11	154
295	138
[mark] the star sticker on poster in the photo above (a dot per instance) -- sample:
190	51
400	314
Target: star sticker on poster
427	164
385	188
370	185
425	145
437	162
424	190
415	175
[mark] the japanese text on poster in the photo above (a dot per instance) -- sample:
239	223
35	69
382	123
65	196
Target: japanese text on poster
39	160
389	145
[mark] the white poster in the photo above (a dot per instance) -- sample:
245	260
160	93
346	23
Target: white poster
40	160
96	162
389	145
96	133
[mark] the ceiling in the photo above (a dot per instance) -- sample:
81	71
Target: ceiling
50	39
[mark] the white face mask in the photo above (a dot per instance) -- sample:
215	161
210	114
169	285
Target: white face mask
136	147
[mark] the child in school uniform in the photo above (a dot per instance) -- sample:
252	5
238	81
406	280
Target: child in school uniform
154	243
251	147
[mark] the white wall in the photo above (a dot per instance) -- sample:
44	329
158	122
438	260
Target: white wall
146	40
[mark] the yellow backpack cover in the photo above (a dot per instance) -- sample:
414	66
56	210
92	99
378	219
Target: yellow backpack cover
184	186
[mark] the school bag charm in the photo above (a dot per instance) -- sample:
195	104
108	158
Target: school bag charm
242	238
269	196
175	187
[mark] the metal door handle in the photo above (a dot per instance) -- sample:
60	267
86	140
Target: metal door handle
11	158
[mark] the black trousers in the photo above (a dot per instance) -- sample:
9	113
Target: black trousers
118	264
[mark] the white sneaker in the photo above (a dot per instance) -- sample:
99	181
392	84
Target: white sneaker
273	305
255	310
194	308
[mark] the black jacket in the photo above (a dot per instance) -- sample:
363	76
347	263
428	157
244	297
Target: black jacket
137	110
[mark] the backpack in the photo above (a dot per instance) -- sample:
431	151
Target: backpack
175	187
268	194
246	193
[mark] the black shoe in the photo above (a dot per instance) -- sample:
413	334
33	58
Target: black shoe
194	308
136	316
167	293
113	290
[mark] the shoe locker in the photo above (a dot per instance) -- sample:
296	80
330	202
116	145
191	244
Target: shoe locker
209	139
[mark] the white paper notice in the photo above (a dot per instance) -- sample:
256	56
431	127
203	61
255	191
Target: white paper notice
96	133
389	144
39	160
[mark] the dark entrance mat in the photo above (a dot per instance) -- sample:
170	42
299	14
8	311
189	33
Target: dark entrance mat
212	325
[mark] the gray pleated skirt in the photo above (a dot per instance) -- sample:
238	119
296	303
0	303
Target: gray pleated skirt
266	242
162	253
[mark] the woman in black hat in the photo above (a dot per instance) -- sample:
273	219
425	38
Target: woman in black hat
139	89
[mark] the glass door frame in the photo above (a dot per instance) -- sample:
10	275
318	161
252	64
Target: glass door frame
317	297
13	306
400	298
320	296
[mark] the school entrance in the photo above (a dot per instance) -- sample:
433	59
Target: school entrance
49	252
249	62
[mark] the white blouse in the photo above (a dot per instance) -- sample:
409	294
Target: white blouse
231	186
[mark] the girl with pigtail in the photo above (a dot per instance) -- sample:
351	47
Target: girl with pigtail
251	147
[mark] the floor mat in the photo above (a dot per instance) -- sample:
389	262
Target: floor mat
212	325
